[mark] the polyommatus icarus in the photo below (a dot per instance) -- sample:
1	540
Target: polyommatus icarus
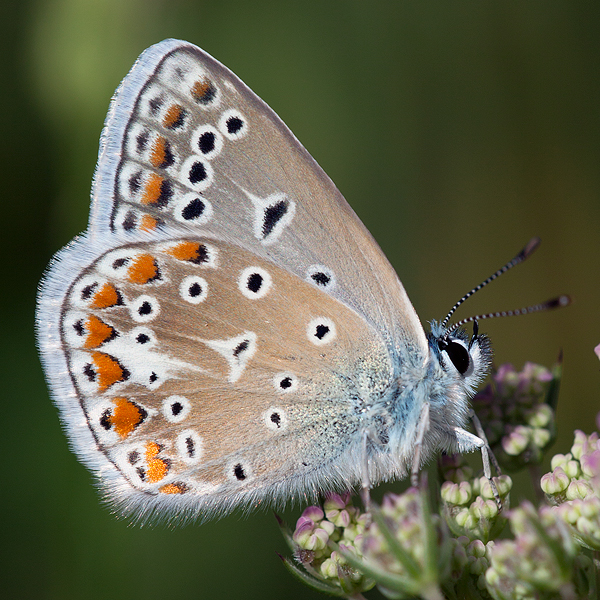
227	331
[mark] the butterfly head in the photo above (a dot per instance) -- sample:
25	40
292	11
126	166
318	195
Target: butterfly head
466	358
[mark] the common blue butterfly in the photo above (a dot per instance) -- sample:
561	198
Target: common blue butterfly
227	332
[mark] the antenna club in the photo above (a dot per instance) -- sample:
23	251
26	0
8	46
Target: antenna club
531	246
563	300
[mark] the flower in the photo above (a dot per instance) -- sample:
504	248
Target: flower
322	540
517	414
457	551
573	487
470	508
407	550
540	558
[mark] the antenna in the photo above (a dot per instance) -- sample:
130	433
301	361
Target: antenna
557	302
519	258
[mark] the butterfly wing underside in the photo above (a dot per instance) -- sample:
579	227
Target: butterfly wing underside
215	335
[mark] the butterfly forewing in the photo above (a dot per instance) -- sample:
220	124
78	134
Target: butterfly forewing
201	150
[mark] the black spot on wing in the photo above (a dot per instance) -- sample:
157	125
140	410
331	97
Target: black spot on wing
255	282
241	347
206	142
239	472
285	383
321	278
234	125
321	331
272	215
193	210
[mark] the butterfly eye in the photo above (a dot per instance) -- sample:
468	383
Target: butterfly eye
458	354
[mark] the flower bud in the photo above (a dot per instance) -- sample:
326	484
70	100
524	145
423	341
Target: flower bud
540	437
516	441
465	519
590	464
555	482
456	493
484	509
542	416
558	460
579	488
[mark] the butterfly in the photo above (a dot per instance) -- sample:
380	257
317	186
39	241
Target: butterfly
227	332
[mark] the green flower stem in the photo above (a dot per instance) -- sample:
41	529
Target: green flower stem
556	547
430	541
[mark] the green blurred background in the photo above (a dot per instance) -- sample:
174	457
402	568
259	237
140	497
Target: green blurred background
456	131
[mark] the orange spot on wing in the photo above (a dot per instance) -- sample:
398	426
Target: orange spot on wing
152	450
203	91
108	370
98	332
173	117
157	468
148	223
173	488
159	152
152	189
126	416
184	250
143	269
106	297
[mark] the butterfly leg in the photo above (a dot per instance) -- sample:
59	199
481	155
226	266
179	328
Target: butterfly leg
467	442
422	428
481	433
488	456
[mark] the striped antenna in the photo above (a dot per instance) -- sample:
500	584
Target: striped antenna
519	258
558	302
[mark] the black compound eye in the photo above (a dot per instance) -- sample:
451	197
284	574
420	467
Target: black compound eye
458	354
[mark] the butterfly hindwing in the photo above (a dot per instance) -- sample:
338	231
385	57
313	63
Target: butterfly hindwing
206	372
